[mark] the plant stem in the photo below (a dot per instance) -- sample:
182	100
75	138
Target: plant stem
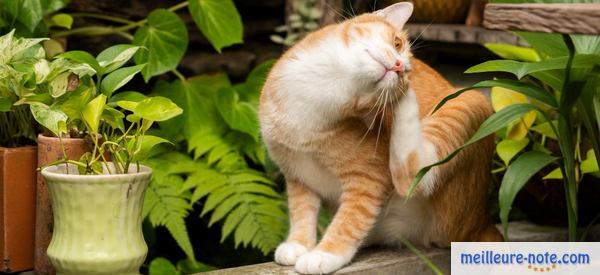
103	17
565	140
102	30
178	6
178	74
96	30
125	35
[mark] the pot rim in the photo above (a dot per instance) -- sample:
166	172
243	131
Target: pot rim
53	172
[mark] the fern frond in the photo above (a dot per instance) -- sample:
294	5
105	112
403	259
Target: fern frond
250	207
164	205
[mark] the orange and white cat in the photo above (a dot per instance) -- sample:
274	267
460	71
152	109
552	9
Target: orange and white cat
346	114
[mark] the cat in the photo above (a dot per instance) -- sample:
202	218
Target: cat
346	114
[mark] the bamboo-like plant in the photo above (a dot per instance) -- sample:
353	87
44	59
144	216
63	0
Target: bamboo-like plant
563	89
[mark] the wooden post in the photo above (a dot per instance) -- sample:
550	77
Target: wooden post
548	18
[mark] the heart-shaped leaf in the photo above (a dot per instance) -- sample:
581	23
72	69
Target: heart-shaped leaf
241	116
115	56
218	20
166	39
119	78
48	117
157	108
81	57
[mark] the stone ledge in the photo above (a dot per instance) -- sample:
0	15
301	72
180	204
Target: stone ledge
389	261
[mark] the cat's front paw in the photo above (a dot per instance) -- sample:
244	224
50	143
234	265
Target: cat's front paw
288	252
320	262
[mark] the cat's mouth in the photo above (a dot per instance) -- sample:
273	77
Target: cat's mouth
397	67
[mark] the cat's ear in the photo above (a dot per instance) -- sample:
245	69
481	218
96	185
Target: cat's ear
397	14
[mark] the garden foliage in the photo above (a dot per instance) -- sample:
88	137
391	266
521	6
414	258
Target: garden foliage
554	95
220	165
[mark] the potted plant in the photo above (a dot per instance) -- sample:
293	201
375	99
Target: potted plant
97	199
18	154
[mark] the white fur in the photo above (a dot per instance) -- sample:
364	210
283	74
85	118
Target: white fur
320	262
287	253
317	177
402	219
407	137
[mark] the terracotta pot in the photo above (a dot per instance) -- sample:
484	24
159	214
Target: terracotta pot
436	11
17	207
97	220
49	150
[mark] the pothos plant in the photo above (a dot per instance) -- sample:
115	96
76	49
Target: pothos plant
556	88
72	95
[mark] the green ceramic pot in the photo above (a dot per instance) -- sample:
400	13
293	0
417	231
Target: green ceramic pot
97	221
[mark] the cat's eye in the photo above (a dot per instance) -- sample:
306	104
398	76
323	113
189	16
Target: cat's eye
398	43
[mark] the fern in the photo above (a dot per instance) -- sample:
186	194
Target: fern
243	198
220	126
164	204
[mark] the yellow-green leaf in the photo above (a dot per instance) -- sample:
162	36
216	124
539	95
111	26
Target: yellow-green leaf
589	165
555	174
501	98
507	149
93	111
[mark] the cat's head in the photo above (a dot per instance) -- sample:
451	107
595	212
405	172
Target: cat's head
353	62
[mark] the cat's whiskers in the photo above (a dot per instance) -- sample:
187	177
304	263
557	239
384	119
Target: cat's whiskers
374	117
419	36
381	120
351	8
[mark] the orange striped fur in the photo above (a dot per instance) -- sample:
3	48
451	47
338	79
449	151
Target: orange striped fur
345	113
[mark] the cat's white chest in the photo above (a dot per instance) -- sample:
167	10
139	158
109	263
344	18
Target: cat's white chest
317	178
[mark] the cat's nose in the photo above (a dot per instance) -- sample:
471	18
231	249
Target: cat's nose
398	67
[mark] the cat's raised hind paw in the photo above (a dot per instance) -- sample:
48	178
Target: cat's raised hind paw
288	252
319	262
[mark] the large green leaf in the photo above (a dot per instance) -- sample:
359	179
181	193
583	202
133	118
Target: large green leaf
76	101
218	20
81	57
521	69
114	57
119	78
157	108
196	97
241	116
166	39
49	118
31	13
549	45
513	52
527	89
93	111
517	174
494	123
